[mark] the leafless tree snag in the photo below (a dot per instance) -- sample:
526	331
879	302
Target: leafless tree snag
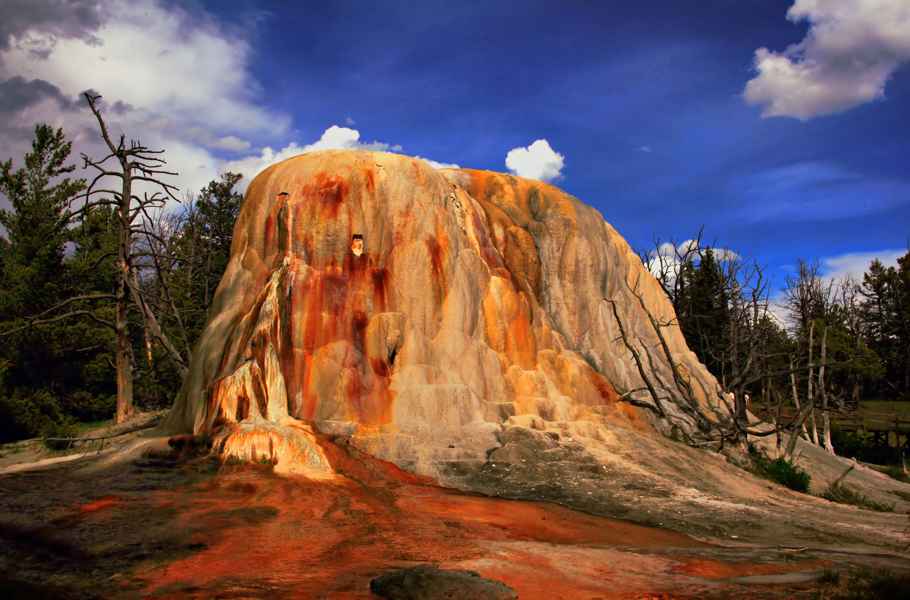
129	163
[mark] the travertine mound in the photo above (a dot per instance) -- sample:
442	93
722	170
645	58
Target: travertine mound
475	302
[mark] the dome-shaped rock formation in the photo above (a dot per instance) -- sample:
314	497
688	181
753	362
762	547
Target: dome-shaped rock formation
423	312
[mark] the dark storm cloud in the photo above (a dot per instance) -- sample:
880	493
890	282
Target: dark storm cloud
17	93
61	18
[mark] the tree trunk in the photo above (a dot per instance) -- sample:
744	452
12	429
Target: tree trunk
152	327
124	350
796	396
826	418
809	391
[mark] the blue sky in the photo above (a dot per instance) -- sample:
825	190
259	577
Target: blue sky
644	101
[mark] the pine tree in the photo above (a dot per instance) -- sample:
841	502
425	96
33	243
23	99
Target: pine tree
203	249
885	314
33	270
34	279
704	313
36	227
218	205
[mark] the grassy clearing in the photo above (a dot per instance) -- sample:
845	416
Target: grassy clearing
885	406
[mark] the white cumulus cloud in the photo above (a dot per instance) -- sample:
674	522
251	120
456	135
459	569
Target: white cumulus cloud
231	143
333	138
850	51
438	165
175	78
537	161
667	258
854	264
162	60
835	269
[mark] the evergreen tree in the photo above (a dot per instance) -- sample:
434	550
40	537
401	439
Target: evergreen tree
218	205
902	322
36	227
886	315
33	269
37	365
90	271
703	310
203	249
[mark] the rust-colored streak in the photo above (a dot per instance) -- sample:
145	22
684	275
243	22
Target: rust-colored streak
270	231
379	367
100	504
520	342
316	308
380	283
243	408
606	391
715	569
359	323
435	251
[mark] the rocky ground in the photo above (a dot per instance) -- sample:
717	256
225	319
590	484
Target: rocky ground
654	481
143	520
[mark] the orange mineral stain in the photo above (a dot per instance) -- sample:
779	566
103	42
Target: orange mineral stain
100	504
713	569
304	538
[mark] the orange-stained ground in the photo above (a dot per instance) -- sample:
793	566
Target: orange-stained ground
100	504
265	536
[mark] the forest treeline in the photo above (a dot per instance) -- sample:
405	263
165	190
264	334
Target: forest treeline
822	345
58	290
95	281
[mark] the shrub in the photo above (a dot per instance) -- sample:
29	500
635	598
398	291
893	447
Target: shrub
85	406
27	414
844	494
780	470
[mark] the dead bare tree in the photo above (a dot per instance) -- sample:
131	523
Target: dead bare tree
823	392
745	362
157	256
810	391
665	260
131	164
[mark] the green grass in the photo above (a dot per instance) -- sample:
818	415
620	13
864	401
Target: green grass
844	494
87	426
886	406
780	470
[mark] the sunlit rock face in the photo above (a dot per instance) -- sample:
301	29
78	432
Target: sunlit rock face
420	312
